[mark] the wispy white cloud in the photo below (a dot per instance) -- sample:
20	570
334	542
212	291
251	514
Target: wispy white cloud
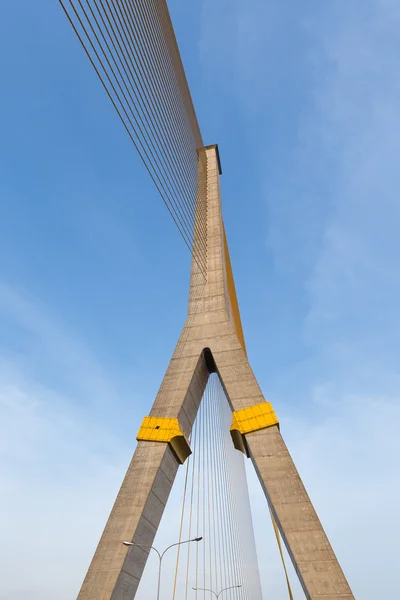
53	347
60	466
348	453
59	475
357	121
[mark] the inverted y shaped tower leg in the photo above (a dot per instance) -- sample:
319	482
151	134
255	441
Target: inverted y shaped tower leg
211	340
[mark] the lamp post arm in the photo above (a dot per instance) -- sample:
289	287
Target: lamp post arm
206	590
161	556
228	588
149	547
171	546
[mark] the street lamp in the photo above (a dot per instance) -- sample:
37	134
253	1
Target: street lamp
161	556
217	595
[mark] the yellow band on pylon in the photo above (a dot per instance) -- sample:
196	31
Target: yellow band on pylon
253	418
161	429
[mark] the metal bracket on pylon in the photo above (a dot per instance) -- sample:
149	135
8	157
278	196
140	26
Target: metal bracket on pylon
161	429
253	418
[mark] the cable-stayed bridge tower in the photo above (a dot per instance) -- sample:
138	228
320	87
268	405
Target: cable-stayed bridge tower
133	49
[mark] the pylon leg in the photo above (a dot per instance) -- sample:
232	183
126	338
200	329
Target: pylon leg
308	546
115	571
314	560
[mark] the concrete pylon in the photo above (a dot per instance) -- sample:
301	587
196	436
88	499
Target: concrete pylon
211	341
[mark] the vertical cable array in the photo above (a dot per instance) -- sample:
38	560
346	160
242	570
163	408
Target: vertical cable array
132	47
215	505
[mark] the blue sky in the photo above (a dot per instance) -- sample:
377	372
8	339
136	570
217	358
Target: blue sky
303	100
